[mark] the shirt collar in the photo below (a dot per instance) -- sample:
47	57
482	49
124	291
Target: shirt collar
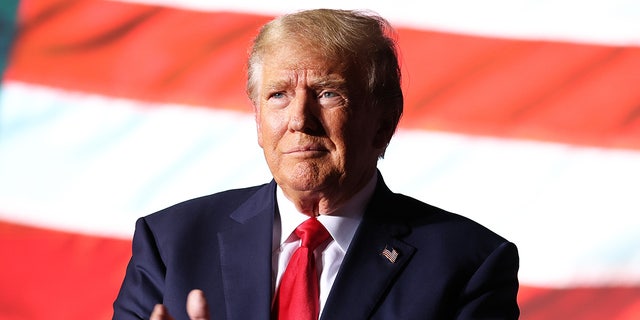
341	224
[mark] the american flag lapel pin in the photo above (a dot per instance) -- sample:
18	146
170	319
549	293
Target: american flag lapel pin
390	254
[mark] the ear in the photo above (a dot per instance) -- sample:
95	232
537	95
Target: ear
257	118
384	132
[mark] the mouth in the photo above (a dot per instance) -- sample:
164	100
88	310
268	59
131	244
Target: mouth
307	150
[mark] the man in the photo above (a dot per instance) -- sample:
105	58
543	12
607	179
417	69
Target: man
325	85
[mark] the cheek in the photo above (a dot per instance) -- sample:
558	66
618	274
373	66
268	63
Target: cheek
360	136
271	126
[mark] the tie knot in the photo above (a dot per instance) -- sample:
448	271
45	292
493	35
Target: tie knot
312	233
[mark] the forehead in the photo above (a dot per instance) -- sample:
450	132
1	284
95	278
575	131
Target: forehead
294	57
316	75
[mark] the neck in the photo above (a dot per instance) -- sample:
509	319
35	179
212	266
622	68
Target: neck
326	202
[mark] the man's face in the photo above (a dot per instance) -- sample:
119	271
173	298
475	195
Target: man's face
318	137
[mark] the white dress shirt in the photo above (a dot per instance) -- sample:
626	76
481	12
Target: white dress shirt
341	224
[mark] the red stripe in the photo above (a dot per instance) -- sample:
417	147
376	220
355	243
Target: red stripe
53	275
57	275
565	92
585	94
135	51
614	303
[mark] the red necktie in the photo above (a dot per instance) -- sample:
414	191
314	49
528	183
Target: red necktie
298	296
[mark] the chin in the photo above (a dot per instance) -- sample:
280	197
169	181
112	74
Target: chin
305	175
304	185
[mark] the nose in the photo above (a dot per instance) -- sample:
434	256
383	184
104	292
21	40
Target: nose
303	114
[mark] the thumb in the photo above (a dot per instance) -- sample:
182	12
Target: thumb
160	313
197	305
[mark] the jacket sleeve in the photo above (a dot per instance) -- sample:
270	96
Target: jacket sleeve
144	280
492	291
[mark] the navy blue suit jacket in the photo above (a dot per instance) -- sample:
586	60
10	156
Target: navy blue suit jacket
448	267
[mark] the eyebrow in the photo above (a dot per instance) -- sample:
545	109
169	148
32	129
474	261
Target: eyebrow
328	81
278	85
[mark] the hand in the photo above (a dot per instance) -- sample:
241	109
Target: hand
197	308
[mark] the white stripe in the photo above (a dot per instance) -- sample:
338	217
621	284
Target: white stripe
615	22
94	164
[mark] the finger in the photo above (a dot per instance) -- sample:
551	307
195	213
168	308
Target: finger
197	305
160	313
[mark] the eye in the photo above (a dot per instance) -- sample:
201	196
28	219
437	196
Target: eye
330	99
277	99
277	95
328	94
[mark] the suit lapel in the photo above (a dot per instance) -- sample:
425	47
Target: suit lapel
366	273
245	253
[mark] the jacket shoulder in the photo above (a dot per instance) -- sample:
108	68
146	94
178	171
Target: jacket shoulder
430	220
215	208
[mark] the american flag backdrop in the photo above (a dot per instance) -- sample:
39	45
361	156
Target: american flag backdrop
522	115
